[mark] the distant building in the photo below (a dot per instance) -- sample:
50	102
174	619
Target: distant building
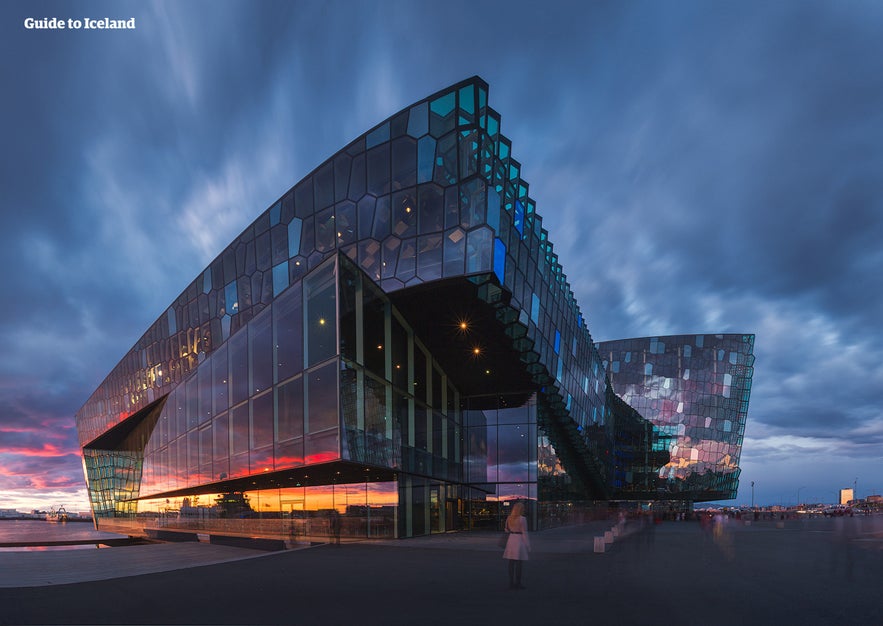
847	495
394	339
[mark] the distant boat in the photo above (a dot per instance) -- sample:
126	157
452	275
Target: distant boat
57	515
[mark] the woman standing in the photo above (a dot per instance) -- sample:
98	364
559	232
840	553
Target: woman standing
517	544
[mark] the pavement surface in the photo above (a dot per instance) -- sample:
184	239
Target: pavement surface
797	572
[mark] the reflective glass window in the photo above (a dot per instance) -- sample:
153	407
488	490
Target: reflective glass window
260	333
288	319
262	421
321	314
239	367
290	401
204	378
322	396
239	429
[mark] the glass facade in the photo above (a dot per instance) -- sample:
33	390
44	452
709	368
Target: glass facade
695	390
396	326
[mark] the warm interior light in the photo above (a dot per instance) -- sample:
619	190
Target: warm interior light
321	321
463	325
476	350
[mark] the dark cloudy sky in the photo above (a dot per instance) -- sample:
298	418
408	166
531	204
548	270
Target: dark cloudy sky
700	166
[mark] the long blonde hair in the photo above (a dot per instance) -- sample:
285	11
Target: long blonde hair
516	512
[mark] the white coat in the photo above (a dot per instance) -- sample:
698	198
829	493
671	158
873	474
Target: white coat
518	543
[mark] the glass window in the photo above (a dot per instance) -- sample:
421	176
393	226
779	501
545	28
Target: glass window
420	386
192	406
239	431
204	376
322	398
261	349
321	314
373	330
262	421
378	170
418	120
404	162
219	379
205	446
239	367
350	281
221	430
290	398
288	318
399	355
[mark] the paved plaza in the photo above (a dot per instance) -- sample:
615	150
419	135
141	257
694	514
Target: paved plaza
824	571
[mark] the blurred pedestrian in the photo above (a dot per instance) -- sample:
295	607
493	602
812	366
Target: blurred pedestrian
517	544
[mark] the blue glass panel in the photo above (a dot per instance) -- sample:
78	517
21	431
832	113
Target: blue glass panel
377	136
418	120
500	260
275	212
294	228
425	159
231	300
493	209
280	278
519	218
560	370
207	280
557	342
535	308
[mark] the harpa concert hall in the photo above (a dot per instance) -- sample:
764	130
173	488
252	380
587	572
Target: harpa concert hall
392	349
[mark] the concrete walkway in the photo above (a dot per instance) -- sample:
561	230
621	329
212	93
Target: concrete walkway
816	573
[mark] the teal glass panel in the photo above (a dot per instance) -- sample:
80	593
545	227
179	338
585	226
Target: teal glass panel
418	120
377	136
482	98
535	308
294	230
425	159
500	260
467	98
280	278
441	114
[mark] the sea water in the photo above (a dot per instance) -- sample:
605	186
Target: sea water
35	532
